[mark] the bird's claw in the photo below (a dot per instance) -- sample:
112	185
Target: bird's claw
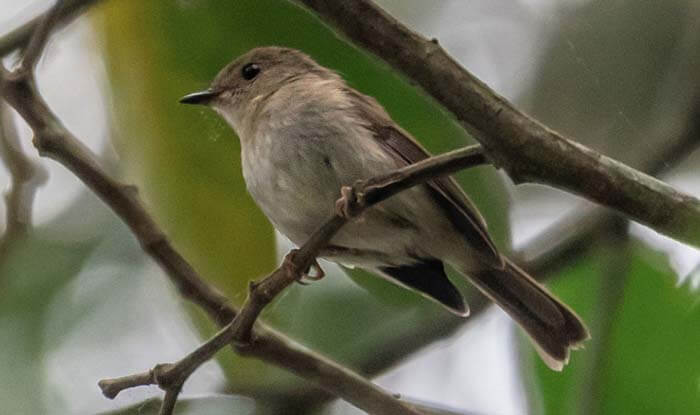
318	275
306	275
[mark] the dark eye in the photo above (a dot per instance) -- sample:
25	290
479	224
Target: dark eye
250	71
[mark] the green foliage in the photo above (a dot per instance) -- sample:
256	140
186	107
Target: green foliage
648	362
208	405
611	76
33	275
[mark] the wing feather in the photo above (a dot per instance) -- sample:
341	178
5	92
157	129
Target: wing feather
446	192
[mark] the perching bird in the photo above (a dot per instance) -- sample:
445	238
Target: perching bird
305	133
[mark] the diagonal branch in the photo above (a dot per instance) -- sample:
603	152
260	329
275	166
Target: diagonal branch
526	149
565	240
361	196
53	140
555	248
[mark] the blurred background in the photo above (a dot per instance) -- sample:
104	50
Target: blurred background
79	301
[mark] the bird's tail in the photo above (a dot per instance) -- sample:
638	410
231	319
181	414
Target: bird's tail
550	323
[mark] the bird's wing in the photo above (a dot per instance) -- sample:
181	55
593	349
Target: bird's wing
445	191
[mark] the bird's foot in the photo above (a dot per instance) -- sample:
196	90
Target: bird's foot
350	204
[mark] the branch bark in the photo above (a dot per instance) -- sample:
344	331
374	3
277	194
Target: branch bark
526	149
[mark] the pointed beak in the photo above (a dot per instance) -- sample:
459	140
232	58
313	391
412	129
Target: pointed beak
200	98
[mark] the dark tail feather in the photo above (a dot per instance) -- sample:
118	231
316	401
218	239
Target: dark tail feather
550	323
429	279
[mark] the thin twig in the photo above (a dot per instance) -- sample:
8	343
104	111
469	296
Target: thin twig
19	37
40	36
111	387
25	177
169	400
526	149
54	141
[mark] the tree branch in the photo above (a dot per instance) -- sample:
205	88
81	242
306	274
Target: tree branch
526	149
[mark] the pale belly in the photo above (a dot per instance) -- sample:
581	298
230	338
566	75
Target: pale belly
297	191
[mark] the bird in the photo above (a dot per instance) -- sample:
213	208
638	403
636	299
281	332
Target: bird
305	133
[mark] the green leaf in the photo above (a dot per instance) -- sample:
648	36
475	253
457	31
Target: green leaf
649	363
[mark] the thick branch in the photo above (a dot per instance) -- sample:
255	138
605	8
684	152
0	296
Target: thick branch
564	241
557	245
526	149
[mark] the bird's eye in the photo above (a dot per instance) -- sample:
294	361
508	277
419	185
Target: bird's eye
250	71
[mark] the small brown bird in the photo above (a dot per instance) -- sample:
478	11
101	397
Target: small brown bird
305	133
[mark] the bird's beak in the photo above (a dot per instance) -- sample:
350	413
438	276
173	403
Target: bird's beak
201	98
